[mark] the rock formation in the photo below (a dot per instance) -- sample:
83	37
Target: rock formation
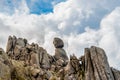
24	61
59	51
96	65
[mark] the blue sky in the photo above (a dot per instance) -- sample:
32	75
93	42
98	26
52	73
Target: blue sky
80	23
42	6
35	6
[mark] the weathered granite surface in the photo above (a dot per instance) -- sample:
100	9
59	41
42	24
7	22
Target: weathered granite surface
24	61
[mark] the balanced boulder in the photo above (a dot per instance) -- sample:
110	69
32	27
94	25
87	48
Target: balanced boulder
58	43
59	51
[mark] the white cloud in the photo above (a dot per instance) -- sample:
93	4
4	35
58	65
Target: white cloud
69	22
110	40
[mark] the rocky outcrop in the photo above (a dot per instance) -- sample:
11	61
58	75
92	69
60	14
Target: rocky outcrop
59	51
96	65
24	61
73	70
32	54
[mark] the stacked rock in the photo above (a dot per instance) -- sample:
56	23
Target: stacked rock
61	58
59	51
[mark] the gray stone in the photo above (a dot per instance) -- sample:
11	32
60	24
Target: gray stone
34	59
60	54
58	43
43	57
17	50
96	65
73	65
14	41
116	73
20	42
3	56
9	44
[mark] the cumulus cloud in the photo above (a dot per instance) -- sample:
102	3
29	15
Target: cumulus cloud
110	39
78	22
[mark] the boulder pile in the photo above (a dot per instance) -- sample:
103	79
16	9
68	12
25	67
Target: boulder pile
24	61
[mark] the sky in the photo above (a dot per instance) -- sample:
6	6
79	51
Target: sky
80	23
